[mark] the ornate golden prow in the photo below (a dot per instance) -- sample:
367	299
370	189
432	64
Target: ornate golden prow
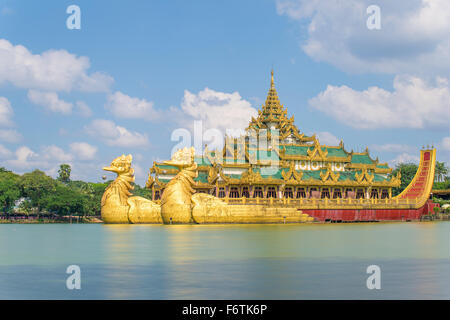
117	206
176	203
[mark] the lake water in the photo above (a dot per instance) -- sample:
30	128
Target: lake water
306	261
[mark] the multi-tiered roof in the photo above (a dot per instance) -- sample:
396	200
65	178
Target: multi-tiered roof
302	160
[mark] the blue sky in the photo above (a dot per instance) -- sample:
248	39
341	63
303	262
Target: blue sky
137	70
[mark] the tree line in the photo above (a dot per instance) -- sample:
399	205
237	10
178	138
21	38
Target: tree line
37	193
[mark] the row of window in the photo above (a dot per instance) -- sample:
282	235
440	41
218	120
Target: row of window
301	193
297	194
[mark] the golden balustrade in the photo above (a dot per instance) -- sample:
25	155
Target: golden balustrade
314	203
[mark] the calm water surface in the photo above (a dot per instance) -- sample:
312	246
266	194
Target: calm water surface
307	261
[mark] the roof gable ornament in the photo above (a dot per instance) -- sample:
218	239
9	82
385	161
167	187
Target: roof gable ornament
292	175
329	175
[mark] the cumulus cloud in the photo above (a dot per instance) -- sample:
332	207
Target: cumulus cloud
4	152
114	135
25	159
404	158
217	110
10	135
49	159
414	38
53	70
414	103
6	112
83	109
57	154
124	106
327	138
83	150
50	101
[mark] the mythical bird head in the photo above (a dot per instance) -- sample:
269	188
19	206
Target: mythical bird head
184	159
120	165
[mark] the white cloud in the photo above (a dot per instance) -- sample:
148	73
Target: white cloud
83	150
48	160
57	154
124	106
25	159
217	110
327	138
10	135
413	104
115	135
83	109
6	112
4	152
446	143
404	158
53	70
50	101
414	38
392	147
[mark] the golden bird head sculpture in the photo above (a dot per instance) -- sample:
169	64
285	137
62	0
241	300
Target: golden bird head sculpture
120	164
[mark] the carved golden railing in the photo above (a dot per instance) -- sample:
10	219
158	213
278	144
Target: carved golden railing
313	203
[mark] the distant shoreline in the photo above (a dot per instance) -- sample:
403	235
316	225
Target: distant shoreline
47	220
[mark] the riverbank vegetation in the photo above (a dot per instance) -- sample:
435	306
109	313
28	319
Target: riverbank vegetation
37	194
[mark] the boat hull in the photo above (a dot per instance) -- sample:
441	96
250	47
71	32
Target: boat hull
356	215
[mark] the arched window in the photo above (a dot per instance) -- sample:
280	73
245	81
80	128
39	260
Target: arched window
325	193
384	194
271	193
360	194
234	192
374	194
258	193
221	192
300	193
245	192
337	193
288	193
157	195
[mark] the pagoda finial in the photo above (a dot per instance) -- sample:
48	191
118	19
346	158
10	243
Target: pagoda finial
272	84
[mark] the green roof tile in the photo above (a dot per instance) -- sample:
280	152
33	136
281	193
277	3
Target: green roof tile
165	166
361	158
202	177
336	152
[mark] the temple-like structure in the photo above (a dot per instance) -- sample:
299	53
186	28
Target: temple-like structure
284	164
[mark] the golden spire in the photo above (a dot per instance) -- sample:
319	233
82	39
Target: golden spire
272	84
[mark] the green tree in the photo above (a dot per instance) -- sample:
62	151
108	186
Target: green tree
10	190
64	173
440	172
142	192
36	186
64	201
407	171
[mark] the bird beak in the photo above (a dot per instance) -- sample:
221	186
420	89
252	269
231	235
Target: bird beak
109	169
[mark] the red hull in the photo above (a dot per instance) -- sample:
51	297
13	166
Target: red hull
371	215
